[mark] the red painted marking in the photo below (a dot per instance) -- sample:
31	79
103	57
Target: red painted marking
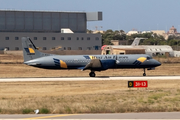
140	84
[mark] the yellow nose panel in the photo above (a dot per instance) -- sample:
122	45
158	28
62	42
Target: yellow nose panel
63	64
31	50
141	59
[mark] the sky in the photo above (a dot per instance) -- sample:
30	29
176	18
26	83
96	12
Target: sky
142	15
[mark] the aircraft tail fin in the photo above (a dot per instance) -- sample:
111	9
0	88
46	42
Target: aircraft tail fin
136	41
30	51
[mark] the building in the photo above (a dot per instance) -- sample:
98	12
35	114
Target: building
48	29
158	32
133	32
172	30
135	48
120	50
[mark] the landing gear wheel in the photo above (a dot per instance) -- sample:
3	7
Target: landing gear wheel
92	74
144	74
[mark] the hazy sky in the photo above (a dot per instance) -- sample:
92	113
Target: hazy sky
117	14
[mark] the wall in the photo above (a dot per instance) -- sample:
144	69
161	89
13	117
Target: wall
52	40
42	21
63	52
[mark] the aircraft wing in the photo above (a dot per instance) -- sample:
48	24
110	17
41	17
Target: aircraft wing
97	64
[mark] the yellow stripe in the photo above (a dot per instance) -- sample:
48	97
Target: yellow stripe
63	64
141	59
92	57
51	116
31	50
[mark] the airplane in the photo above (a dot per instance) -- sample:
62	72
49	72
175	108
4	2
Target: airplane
33	57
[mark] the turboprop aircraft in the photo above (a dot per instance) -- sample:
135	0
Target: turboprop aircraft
33	57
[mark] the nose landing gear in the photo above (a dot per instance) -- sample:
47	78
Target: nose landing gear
144	74
92	74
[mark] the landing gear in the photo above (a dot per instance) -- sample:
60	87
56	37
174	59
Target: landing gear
144	74
92	74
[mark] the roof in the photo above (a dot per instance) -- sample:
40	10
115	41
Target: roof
129	48
11	10
172	28
152	47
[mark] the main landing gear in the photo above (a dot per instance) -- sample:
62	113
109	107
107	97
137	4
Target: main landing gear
144	74
92	74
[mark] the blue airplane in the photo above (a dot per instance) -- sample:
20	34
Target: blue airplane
33	57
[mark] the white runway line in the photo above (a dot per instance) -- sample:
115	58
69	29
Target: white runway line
90	78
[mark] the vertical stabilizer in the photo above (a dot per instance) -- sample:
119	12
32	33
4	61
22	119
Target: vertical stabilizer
30	51
136	41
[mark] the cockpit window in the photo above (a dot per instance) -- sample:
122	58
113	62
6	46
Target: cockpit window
148	58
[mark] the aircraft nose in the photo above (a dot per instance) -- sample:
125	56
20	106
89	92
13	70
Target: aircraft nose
157	63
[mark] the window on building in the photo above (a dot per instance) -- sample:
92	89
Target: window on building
7	48
96	47
64	48
62	38
88	38
69	48
7	38
44	38
82	38
53	38
16	48
16	38
88	48
77	38
69	38
79	48
35	38
44	48
97	38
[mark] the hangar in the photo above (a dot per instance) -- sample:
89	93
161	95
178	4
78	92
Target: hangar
135	48
48	29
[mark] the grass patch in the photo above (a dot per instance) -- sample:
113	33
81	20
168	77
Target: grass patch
156	96
91	97
27	111
44	111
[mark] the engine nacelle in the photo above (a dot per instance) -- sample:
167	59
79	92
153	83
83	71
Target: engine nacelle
98	65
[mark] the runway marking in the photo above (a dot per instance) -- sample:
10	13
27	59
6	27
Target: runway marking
51	116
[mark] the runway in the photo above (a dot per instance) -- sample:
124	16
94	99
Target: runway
157	115
90	78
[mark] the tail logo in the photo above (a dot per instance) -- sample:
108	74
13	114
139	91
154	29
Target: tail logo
29	51
139	61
